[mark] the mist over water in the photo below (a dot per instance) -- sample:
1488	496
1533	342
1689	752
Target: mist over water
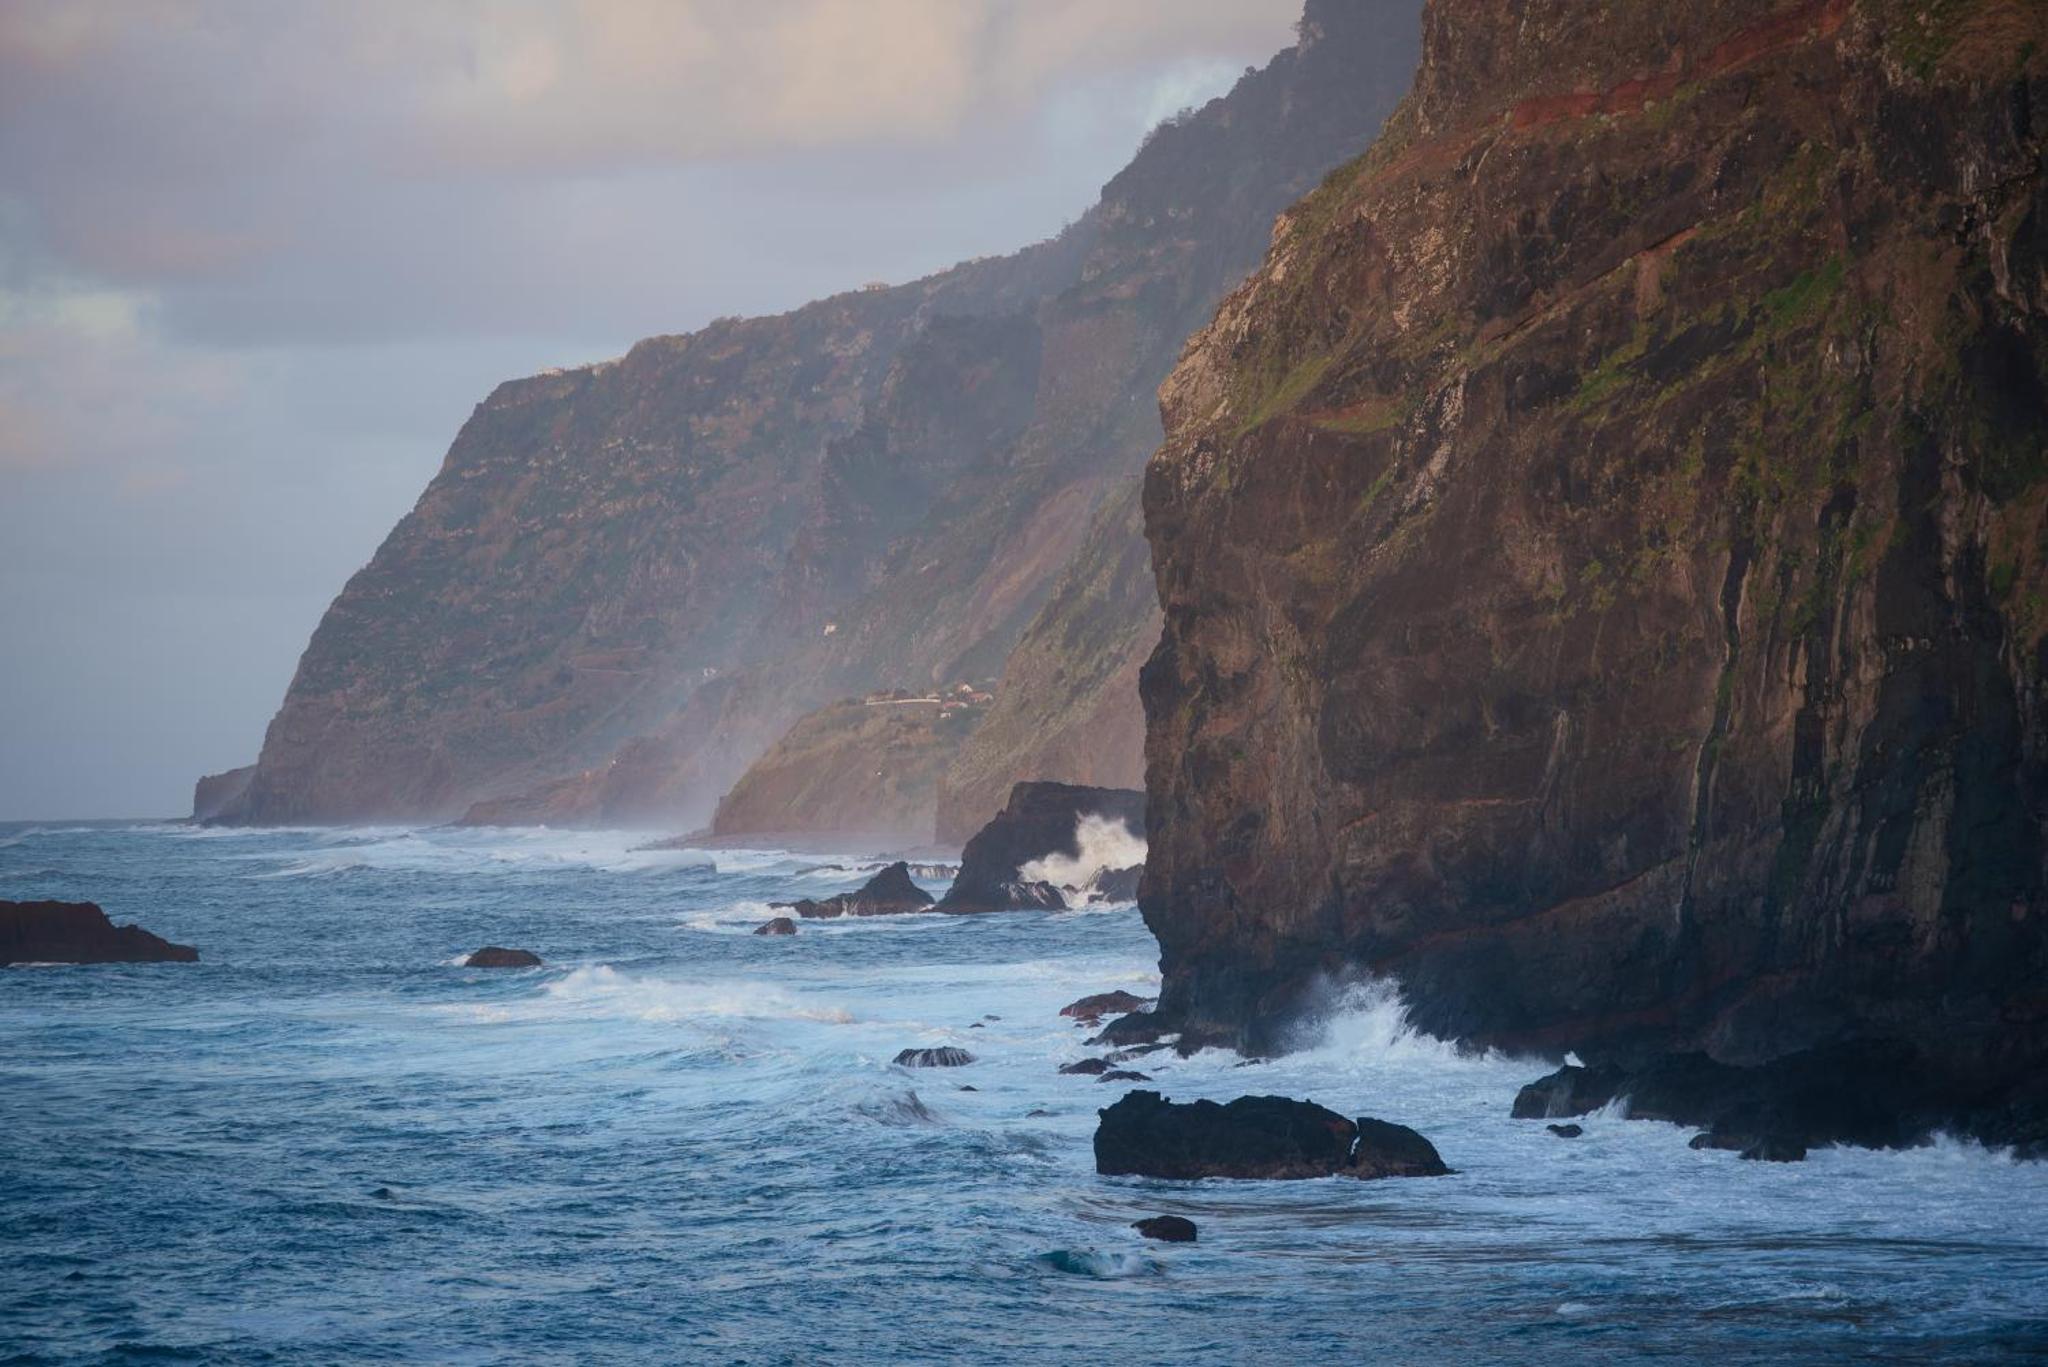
680	1141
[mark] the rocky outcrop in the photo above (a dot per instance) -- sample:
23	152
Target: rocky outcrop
1115	885
1873	1093
215	793
862	767
1041	822
79	933
1091	1009
1599	551
776	925
1171	1229
629	579
496	956
945	1056
1265	1137
888	893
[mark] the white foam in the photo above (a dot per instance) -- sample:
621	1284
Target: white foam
1104	845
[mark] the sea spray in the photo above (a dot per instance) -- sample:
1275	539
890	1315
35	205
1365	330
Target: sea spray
1104	844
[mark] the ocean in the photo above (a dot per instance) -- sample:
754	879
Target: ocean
681	1142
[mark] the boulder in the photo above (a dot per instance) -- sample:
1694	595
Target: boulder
1170	1229
1566	1131
1089	1010
1124	1075
1571	1090
946	1056
1040	820
1087	1067
491	956
780	925
889	893
79	933
1260	1137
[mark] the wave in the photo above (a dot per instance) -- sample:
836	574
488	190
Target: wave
1104	845
1367	1020
604	990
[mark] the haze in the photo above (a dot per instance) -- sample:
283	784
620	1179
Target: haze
257	262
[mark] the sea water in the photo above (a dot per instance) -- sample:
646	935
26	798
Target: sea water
329	1142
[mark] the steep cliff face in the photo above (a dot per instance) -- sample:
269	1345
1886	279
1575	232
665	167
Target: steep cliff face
1069	705
628	580
853	768
1602	549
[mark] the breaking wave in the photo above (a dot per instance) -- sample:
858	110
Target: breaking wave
1104	845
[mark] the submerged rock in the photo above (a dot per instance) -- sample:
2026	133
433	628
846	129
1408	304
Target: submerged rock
1087	1067
889	893
1089	1010
945	1056
1566	1131
1040	821
1171	1229
1261	1137
79	933
1124	1075
780	925
492	956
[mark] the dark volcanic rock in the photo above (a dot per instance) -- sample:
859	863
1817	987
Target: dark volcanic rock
79	933
1599	553
1566	1131
215	793
945	1056
1145	1135
1040	819
1879	1094
491	956
1117	885
1087	1067
1775	1148
1124	1075
1571	1090
1171	1229
779	925
1088	1010
888	893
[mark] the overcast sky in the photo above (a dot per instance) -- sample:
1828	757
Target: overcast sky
258	261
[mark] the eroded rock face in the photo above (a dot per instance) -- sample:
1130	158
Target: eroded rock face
629	579
79	933
1599	551
215	793
1267	1137
1039	822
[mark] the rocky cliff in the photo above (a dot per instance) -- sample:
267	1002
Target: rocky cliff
854	768
1602	548
629	579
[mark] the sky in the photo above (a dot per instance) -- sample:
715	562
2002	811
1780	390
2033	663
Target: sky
259	260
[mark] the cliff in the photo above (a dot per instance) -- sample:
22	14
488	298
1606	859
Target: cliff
1601	549
628	580
1069	705
853	768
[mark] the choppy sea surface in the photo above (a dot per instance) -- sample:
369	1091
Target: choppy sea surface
681	1142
